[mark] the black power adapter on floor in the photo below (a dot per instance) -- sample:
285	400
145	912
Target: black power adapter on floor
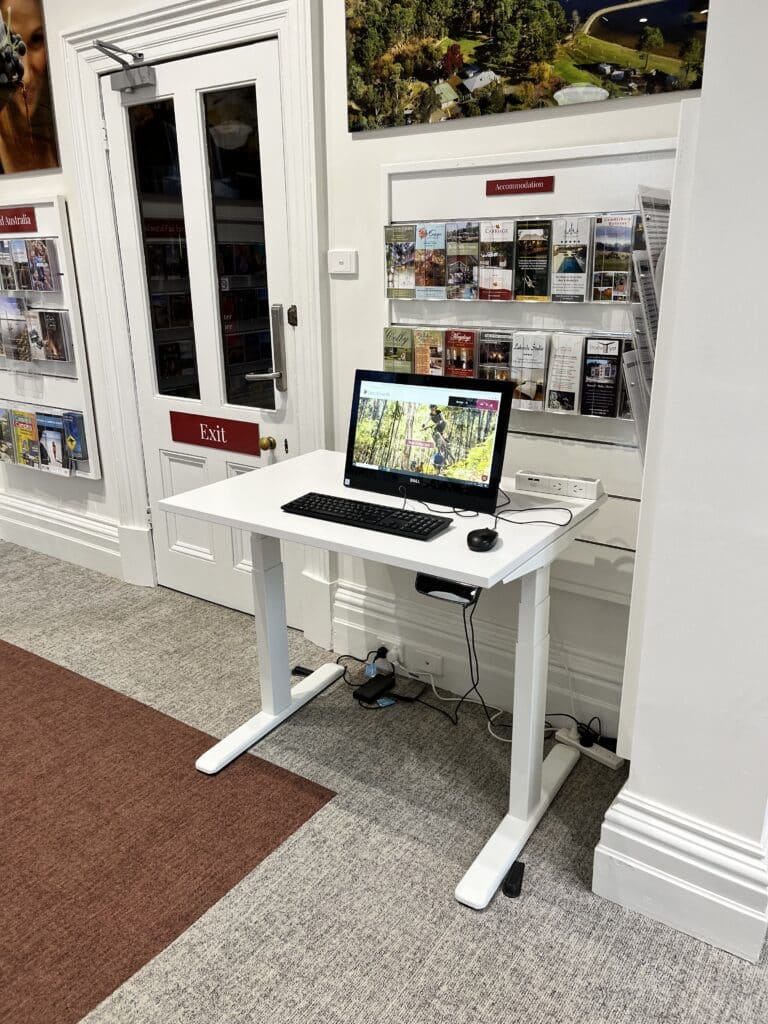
370	691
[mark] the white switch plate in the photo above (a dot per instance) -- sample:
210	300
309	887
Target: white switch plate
342	261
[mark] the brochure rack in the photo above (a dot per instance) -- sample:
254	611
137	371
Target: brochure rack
644	311
587	181
50	440
49	385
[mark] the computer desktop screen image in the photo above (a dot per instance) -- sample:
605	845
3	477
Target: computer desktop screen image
426	432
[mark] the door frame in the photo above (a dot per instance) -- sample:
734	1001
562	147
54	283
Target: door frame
176	31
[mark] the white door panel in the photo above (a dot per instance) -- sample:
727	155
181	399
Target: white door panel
198	177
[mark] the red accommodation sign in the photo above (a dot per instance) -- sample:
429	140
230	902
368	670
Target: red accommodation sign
214	432
519	186
17	219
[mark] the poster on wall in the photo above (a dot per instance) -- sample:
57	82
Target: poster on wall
422	63
27	130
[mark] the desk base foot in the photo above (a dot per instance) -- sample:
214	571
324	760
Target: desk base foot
256	728
477	887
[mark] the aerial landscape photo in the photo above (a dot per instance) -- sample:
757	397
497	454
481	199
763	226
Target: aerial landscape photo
427	61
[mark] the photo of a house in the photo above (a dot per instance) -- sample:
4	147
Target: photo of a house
415	63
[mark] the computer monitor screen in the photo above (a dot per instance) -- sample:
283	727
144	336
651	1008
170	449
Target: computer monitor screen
435	439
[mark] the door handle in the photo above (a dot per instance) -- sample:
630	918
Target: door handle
274	375
277	373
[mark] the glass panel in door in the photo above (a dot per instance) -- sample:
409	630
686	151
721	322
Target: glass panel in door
156	163
234	159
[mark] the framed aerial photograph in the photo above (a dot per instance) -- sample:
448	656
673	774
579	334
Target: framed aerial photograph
27	128
427	61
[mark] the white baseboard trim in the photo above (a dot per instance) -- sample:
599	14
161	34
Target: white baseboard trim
98	544
84	540
364	617
701	880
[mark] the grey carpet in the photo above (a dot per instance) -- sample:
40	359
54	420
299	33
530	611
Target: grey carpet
353	919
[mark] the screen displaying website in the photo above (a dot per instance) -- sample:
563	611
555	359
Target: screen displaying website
426	431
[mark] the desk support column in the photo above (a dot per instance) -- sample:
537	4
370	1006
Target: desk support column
278	699
531	667
271	625
532	785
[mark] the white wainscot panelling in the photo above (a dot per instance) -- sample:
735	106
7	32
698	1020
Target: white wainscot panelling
595	571
581	675
615	525
181	473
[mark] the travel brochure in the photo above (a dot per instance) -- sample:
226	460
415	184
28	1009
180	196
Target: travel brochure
560	259
568	372
29	264
32	335
50	440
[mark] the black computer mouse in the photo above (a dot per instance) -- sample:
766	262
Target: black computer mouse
482	540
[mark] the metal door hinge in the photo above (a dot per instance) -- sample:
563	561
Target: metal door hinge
104	136
149	516
293	316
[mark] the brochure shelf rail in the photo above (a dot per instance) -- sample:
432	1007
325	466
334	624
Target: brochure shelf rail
40	308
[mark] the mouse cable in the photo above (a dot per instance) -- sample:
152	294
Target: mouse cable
500	512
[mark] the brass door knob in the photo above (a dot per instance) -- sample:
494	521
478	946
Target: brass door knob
267	444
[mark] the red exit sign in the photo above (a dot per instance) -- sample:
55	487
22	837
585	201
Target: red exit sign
214	432
14	220
519	186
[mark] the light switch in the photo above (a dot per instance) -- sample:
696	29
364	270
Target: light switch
342	261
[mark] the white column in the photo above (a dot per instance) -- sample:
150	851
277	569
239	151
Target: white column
685	841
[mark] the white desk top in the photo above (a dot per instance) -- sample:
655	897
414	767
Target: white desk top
251	501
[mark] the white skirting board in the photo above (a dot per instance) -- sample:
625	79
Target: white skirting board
88	541
698	879
364	617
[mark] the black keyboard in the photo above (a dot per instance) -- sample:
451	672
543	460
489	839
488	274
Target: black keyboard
415	525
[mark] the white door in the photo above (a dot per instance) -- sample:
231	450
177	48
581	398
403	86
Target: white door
199	190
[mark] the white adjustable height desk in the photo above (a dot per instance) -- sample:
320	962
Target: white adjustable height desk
252	502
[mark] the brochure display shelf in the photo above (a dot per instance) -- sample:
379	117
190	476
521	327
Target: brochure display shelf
45	322
585	319
588	182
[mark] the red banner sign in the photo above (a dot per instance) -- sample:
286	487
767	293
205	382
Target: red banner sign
519	186
16	220
214	432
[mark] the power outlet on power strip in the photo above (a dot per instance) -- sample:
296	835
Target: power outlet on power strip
571	738
563	486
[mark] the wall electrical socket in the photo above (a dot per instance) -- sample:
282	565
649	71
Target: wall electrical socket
424	661
564	486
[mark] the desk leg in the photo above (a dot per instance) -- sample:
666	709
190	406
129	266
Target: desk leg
278	699
532	785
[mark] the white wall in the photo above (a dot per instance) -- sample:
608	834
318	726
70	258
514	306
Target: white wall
686	840
73	518
589	609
